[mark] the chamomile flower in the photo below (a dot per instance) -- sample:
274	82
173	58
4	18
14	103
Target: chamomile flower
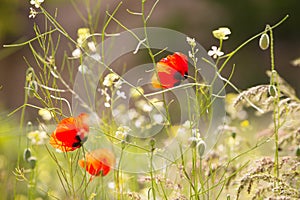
37	137
215	52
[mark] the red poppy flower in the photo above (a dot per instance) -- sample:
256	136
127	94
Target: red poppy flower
70	133
98	162
170	71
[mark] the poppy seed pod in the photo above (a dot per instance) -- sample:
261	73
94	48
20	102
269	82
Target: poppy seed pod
264	41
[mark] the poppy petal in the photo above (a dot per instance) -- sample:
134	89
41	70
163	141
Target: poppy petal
170	71
98	162
70	133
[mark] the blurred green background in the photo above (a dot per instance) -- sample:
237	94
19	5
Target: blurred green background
196	18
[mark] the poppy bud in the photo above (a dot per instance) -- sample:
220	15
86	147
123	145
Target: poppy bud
298	152
32	162
26	154
193	142
233	135
264	41
152	142
201	146
123	144
272	90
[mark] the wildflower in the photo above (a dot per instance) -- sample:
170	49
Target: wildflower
222	33
98	162
170	71
83	34
122	132
118	84
70	133
245	123
121	94
92	46
107	97
37	137
45	114
110	79
32	13
187	124
36	3
196	132
83	69
215	52
191	41
76	53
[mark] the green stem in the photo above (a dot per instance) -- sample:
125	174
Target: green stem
276	117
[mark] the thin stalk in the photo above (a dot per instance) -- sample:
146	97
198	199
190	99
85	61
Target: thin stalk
276	117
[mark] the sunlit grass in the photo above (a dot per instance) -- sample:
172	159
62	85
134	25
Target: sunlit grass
256	157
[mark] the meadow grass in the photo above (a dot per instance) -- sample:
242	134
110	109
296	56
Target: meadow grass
234	168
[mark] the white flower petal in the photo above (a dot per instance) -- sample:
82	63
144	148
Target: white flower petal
76	53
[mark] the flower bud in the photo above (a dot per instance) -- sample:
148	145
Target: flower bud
264	41
32	162
152	142
32	88
26	154
298	152
123	144
201	146
233	135
193	142
272	90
